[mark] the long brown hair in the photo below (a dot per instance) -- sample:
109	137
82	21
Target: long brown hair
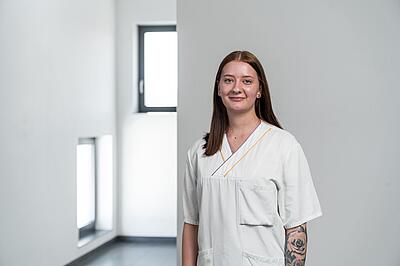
220	121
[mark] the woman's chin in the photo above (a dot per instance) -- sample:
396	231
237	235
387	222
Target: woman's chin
237	109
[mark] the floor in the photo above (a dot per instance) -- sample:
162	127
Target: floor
140	252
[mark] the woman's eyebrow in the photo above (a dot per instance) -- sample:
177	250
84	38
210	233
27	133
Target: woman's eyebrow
244	76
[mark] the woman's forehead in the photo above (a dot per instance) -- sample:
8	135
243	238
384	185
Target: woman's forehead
238	68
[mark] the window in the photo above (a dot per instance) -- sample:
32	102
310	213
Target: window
158	68
94	176
86	186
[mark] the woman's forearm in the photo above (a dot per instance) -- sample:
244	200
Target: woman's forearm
189	245
296	245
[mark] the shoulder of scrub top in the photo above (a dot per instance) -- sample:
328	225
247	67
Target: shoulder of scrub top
285	139
195	148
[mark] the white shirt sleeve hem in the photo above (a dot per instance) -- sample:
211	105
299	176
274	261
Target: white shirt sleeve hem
190	221
302	221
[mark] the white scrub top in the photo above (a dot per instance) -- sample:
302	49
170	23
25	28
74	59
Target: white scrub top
243	201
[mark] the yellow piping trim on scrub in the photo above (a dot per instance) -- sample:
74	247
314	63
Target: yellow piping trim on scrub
248	151
223	159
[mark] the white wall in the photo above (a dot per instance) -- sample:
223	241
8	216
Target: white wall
333	72
56	84
147	142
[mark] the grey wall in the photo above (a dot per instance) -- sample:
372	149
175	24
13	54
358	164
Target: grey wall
56	84
333	72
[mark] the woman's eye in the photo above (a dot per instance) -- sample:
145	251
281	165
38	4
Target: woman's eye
247	81
228	80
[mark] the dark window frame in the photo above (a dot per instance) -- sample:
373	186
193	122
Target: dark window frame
87	230
142	29
91	227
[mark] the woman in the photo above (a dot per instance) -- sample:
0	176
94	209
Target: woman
248	191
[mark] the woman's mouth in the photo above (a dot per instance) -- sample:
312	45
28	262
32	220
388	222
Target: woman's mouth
236	99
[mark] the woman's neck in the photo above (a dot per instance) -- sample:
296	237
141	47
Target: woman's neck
242	123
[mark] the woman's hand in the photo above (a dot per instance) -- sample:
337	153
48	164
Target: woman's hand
296	245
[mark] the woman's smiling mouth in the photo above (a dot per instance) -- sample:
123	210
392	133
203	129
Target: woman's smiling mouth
236	99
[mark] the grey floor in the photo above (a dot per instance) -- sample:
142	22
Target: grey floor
132	253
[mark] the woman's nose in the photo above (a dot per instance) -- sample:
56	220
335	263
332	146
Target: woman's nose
236	89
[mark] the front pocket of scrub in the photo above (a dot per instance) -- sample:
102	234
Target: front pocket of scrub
255	260
205	257
257	204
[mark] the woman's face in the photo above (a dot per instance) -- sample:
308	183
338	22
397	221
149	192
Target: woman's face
238	86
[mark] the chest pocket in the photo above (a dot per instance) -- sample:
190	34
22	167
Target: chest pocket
257	203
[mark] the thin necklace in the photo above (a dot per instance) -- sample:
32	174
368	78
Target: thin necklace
232	153
259	122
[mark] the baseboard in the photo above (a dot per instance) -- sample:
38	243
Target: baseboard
146	239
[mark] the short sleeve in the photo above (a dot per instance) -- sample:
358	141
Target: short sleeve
297	198
190	205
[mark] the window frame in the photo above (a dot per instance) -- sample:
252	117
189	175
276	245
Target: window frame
91	227
142	29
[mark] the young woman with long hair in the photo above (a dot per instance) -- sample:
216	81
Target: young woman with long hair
248	191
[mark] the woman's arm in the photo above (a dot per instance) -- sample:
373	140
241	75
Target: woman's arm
296	245
189	245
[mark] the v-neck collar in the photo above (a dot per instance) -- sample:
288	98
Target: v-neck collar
225	143
229	159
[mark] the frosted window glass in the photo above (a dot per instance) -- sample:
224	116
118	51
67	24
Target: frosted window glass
85	161
160	69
